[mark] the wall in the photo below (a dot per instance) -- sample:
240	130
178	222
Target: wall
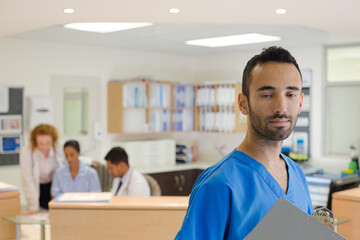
230	66
31	64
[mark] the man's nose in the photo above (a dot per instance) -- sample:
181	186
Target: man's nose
280	105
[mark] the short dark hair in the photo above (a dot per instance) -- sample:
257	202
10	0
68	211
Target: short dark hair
271	54
74	144
117	155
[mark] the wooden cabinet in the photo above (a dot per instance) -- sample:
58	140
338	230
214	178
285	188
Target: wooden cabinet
177	183
152	107
138	107
346	206
217	108
9	206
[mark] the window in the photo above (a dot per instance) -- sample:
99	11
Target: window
342	99
76	111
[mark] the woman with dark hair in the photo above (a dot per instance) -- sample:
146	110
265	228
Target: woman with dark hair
75	176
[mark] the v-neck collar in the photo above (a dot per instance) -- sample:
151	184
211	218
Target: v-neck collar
266	176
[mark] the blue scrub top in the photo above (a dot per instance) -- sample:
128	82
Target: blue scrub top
87	180
232	196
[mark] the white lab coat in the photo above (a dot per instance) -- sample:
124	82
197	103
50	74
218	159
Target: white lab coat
134	185
30	174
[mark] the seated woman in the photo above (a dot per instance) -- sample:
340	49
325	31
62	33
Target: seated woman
75	176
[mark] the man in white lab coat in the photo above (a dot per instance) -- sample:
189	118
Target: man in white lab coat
127	181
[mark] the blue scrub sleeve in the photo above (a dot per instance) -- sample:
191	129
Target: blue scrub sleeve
94	182
208	213
55	186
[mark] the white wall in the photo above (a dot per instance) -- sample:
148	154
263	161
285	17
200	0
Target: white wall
30	64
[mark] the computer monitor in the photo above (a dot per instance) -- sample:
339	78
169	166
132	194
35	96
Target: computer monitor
340	184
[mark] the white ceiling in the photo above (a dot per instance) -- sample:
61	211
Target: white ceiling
305	23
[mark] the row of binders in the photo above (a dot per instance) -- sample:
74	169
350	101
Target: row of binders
134	95
160	95
160	120
222	96
184	96
221	121
183	120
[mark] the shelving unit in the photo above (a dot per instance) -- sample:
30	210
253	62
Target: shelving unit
139	107
183	107
155	107
217	109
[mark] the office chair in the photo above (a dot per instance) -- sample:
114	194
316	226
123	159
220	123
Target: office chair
106	180
105	177
155	189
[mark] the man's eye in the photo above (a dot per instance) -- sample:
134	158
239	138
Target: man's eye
266	96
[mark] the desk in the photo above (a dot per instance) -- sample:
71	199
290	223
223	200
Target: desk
346	205
9	206
19	219
131	218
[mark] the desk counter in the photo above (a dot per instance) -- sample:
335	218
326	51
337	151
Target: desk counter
131	218
9	206
346	205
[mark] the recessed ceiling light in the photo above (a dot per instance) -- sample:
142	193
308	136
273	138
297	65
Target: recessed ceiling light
174	10
105	27
280	11
69	10
233	40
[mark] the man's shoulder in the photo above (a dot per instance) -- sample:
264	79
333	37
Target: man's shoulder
135	174
225	171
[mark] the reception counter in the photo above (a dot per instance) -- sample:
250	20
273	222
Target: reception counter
346	205
130	218
9	206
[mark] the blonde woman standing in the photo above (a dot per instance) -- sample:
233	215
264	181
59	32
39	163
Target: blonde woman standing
38	163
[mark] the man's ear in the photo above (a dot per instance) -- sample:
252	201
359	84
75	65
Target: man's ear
301	101
243	104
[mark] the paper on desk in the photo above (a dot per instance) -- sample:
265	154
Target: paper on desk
85	197
41	216
4	187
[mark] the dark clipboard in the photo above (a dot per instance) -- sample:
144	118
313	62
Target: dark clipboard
285	221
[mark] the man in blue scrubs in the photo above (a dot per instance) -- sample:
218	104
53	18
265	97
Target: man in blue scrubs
230	198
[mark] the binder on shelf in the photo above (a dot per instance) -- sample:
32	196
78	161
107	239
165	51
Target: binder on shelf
134	95
184	96
160	95
285	221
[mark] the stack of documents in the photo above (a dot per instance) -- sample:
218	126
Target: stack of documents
84	197
4	187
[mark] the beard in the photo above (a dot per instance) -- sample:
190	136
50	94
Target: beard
262	128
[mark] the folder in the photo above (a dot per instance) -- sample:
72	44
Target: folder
84	197
285	221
